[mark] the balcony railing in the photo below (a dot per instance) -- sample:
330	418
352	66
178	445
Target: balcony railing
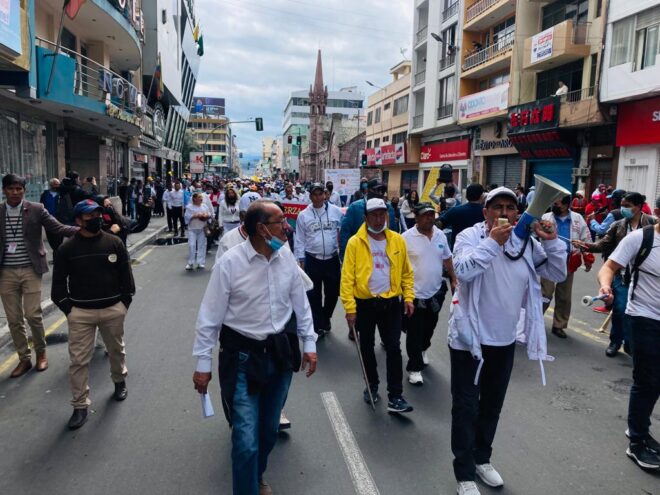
579	94
418	121
420	77
421	35
447	61
479	8
581	33
503	44
97	82
450	11
445	111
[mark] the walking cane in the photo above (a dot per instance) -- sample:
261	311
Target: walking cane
605	323
364	371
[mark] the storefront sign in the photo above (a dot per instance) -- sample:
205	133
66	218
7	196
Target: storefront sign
445	152
10	27
540	115
159	123
140	157
196	162
130	9
494	144
492	100
389	154
542	145
638	123
542	45
147	125
118	88
114	111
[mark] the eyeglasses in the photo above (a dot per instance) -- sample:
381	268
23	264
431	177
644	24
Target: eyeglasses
282	222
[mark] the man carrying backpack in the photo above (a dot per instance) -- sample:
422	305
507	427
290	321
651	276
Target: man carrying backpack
641	251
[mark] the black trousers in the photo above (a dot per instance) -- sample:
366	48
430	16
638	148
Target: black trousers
419	330
177	216
325	274
387	314
475	409
168	212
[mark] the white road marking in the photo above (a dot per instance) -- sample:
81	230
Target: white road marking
362	481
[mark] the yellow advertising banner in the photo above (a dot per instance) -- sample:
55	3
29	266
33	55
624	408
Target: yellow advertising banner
430	185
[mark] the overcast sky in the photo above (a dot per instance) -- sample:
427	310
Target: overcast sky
256	52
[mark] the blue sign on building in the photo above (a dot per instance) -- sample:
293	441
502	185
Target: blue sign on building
10	27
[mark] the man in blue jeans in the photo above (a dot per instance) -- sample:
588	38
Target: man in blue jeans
642	319
258	349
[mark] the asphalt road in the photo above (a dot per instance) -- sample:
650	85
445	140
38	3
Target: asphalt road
565	438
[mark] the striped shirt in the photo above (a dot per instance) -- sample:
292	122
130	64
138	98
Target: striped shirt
16	253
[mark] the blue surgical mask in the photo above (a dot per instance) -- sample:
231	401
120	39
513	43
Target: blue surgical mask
275	243
364	186
375	231
627	212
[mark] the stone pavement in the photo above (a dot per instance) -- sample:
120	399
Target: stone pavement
135	242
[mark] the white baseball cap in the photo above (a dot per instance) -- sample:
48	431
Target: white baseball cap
500	191
376	204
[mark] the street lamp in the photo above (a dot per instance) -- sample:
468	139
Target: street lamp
374	85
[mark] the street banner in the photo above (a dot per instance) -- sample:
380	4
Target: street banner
291	212
430	184
493	100
542	45
196	162
345	180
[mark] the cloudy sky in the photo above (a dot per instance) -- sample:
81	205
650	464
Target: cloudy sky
256	52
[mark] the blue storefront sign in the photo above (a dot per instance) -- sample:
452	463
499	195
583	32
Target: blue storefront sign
10	27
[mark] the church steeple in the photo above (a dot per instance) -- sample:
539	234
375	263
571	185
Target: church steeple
318	94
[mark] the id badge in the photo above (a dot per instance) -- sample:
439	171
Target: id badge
11	247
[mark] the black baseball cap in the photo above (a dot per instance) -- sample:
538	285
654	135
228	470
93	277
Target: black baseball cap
315	186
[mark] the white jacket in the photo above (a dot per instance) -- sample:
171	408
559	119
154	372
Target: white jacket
473	253
229	213
318	234
579	228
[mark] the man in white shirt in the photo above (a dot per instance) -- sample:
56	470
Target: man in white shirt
246	199
174	201
316	245
270	194
248	304
428	250
640	251
334	198
301	194
498	275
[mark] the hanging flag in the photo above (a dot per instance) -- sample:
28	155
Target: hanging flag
158	74
71	7
196	32
200	46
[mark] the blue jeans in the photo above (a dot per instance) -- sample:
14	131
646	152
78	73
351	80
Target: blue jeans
645	344
618	332
131	208
255	420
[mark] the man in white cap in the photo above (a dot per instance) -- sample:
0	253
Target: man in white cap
498	275
376	275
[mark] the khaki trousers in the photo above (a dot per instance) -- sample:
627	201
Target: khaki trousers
562	293
20	290
82	332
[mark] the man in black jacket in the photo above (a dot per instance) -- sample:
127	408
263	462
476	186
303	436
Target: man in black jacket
93	285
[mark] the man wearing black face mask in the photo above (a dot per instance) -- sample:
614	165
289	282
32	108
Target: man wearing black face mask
90	302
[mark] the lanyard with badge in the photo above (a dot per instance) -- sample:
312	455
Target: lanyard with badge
13	226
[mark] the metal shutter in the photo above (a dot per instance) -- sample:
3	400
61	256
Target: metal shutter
648	18
513	173
504	170
495	170
558	171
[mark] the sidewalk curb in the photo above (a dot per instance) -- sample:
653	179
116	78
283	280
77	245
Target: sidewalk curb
47	306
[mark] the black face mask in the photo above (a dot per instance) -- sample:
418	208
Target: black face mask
94	225
556	210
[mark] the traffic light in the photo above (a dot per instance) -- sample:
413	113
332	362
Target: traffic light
364	160
289	139
259	123
299	140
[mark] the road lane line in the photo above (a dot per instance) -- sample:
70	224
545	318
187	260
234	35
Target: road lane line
13	359
362	481
145	254
585	333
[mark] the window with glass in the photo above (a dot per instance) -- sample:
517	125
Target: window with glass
370	116
503	33
447	95
647	46
376	142
386	139
560	11
368	144
622	41
399	137
449	38
494	80
547	82
377	116
400	106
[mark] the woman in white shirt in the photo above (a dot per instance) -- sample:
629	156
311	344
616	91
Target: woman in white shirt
196	216
229	211
407	206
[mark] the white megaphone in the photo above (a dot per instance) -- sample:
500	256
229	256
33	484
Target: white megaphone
547	192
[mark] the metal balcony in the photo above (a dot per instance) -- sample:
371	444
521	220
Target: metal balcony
420	77
501	46
418	121
421	35
447	61
445	111
485	13
450	12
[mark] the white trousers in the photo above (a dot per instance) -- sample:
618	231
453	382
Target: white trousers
196	244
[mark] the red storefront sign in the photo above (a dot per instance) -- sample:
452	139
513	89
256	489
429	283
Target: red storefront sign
445	152
638	123
389	154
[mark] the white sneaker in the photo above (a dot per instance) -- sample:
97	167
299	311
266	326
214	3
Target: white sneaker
415	377
425	357
489	476
201	267
189	266
467	488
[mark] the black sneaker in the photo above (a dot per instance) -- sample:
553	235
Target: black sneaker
78	418
374	394
398	405
121	392
612	350
650	442
643	456
320	333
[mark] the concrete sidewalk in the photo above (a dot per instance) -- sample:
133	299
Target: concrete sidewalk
135	242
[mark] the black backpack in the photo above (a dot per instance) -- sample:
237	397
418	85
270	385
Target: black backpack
632	274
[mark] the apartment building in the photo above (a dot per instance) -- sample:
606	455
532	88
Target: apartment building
388	145
433	116
212	133
631	71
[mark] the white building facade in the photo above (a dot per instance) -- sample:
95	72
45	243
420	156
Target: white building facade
631	72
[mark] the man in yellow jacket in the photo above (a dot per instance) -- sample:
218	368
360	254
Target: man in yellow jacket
375	276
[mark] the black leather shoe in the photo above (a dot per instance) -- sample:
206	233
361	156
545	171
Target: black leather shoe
612	350
120	391
78	418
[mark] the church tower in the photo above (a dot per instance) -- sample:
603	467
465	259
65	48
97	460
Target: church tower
318	99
